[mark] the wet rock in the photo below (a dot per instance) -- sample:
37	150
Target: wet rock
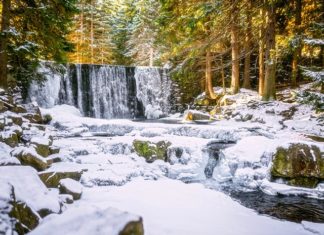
29	157
47	118
301	164
151	151
71	187
52	179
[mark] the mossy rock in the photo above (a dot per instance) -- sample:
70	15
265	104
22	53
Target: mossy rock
151	151
52	179
133	228
19	109
307	182
301	164
26	218
10	138
47	118
28	157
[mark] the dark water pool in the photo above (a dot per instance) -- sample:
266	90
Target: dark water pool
291	208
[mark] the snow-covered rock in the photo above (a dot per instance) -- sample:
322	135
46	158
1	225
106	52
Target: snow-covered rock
72	187
91	220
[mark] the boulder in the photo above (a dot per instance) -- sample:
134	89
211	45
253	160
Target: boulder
52	178
16	119
193	115
29	156
301	164
42	145
54	149
3	108
19	109
92	220
71	187
10	138
26	197
151	151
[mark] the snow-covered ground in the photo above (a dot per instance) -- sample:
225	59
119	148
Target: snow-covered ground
115	176
170	195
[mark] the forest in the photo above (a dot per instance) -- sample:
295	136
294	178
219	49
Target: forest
175	117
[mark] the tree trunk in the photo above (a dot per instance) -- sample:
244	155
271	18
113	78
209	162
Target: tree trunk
235	82
223	75
270	63
5	23
92	34
209	90
247	47
297	51
261	53
151	56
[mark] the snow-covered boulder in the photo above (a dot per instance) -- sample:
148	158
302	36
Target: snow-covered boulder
29	156
25	197
42	145
72	187
92	220
52	178
301	164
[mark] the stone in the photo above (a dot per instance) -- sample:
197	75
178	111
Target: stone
26	218
47	118
41	145
29	157
54	150
52	179
10	138
33	117
3	108
19	109
151	151
66	198
193	115
16	119
72	187
301	164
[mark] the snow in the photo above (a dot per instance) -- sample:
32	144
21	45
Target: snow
40	140
5	157
316	228
28	188
86	220
172	207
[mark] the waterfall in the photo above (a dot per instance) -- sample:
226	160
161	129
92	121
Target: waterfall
104	91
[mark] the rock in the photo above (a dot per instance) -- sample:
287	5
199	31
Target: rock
66	198
33	117
41	145
92	220
3	108
10	138
205	101
72	187
47	118
16	119
54	149
52	179
151	151
19	109
26	218
29	156
301	164
193	115
27	196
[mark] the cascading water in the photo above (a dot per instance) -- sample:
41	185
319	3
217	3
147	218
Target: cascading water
104	91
